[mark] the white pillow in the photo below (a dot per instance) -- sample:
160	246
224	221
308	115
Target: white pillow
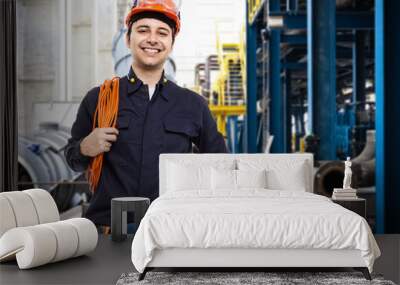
251	178
292	180
223	179
193	173
181	177
226	179
282	174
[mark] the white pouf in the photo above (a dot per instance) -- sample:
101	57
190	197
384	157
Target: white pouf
7	218
37	245
31	230
45	205
23	208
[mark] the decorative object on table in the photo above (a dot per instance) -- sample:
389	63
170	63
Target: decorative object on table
31	231
347	174
343	194
119	209
346	192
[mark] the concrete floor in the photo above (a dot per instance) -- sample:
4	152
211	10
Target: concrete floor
389	262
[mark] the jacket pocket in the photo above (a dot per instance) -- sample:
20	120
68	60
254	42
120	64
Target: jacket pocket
178	134
128	132
123	122
126	149
181	126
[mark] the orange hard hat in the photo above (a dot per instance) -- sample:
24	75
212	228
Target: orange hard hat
169	8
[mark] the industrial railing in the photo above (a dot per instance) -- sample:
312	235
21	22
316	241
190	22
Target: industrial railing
228	94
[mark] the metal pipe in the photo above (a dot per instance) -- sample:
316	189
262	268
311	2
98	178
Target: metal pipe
368	152
330	174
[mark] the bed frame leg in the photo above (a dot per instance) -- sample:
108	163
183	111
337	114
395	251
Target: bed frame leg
143	274
364	271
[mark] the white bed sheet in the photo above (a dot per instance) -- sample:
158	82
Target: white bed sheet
251	218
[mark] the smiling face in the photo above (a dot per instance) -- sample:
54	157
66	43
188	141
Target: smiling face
150	42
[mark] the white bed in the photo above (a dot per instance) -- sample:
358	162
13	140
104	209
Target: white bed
193	224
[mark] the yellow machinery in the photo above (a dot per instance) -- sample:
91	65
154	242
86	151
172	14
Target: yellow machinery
228	91
253	7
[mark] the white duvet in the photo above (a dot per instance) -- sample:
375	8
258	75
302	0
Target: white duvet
253	218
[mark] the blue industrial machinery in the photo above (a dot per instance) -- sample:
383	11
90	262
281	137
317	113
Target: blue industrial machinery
321	74
250	130
387	88
344	126
234	127
328	69
306	49
278	102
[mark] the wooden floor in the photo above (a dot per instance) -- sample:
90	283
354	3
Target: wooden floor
389	262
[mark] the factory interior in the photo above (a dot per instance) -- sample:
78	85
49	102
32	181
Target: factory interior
279	77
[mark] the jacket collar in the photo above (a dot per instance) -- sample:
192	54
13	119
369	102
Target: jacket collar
134	83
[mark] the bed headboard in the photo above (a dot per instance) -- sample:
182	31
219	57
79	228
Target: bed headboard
233	158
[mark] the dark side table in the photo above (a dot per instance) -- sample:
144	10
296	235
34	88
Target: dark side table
357	205
119	209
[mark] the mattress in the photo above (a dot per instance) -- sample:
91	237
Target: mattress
250	218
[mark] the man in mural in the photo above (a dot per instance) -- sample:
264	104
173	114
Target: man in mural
125	124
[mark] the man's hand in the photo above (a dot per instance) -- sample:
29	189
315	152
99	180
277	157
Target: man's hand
98	141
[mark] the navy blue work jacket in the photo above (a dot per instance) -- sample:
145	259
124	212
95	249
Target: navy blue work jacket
170	122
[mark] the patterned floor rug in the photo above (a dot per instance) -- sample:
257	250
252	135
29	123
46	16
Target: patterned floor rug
244	278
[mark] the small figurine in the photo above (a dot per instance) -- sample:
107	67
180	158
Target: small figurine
347	174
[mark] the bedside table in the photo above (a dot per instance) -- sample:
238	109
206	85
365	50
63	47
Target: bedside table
119	208
357	205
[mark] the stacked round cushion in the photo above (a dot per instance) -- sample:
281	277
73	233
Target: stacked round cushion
31	230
